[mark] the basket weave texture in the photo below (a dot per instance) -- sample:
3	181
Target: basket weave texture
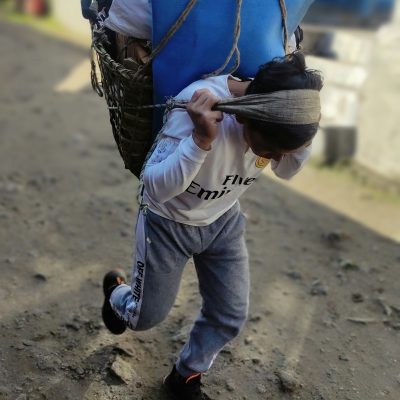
126	90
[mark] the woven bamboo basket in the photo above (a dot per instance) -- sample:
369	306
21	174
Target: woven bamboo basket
126	88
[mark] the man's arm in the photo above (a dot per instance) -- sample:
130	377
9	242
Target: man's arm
175	163
172	167
291	164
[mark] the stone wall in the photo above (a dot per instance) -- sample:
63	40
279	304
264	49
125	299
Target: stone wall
379	122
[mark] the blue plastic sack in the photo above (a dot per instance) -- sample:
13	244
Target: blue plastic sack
205	39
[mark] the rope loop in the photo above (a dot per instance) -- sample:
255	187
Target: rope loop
234	49
178	23
282	5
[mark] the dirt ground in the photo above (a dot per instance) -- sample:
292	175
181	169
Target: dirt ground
325	303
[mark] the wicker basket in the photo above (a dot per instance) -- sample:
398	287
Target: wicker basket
127	88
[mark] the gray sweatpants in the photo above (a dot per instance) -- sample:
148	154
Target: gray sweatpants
163	248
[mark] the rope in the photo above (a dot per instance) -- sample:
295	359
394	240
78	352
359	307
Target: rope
100	38
93	76
282	4
172	31
234	49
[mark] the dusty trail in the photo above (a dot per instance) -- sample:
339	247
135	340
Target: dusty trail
325	305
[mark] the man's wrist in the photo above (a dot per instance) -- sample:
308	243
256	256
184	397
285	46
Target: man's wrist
203	143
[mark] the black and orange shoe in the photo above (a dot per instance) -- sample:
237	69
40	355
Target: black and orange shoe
181	388
111	280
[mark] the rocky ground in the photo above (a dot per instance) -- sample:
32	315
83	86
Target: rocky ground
325	306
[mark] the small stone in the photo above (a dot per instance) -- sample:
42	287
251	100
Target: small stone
125	351
10	260
256	360
328	323
230	385
287	381
255	318
40	277
248	340
73	325
387	310
318	289
395	326
124	371
272	378
334	237
348	265
357	297
47	362
226	350
28	343
296	276
262	389
343	357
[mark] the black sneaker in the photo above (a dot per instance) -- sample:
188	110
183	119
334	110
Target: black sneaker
184	388
111	280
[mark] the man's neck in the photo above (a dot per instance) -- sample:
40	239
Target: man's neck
237	88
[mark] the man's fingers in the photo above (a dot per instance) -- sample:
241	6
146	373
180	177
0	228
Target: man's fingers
204	97
201	105
220	116
198	93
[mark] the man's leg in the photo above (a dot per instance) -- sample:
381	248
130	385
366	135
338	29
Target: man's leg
162	252
223	275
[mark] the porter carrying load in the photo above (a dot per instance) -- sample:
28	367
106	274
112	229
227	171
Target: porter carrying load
189	41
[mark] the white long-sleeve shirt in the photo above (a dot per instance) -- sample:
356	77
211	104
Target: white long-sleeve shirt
131	18
193	186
